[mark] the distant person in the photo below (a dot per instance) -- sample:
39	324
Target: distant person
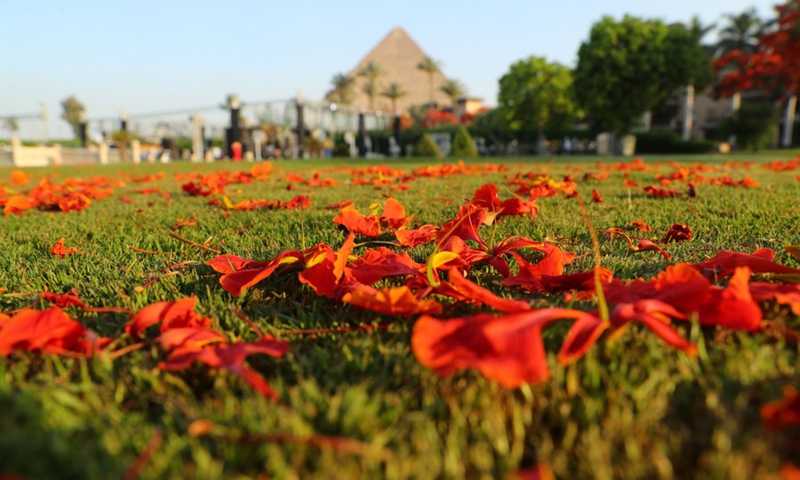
236	151
566	146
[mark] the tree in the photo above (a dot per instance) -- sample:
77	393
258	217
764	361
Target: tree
371	71
73	114
493	126
122	138
394	92
342	91
751	125
431	67
454	90
773	66
463	146
739	36
536	93
625	69
12	125
426	147
741	33
690	65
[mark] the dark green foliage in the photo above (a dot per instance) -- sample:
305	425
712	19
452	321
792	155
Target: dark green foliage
494	127
628	67
668	141
426	147
752	125
463	146
535	93
73	113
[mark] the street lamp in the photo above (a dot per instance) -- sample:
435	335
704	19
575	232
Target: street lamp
333	108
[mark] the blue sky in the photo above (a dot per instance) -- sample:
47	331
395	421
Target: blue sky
144	56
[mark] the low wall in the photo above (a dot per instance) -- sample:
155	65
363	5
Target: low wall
42	156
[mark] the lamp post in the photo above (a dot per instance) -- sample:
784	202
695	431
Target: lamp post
43	116
333	108
82	126
301	127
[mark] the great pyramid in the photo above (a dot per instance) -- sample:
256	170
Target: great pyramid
398	56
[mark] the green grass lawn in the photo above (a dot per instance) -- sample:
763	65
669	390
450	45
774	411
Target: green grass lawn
632	408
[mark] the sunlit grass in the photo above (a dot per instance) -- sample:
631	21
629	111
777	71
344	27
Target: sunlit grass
630	409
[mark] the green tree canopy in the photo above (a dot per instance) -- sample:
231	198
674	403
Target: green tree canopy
627	67
536	93
688	61
463	146
73	114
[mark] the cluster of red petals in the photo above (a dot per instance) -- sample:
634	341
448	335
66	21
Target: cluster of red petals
488	198
509	348
458	168
654	191
71	195
66	300
208	184
47	331
393	217
316	180
678	232
297	202
784	412
60	250
542	185
188	337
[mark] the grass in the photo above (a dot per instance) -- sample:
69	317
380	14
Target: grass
630	409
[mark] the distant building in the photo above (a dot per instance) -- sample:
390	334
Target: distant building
398	56
471	105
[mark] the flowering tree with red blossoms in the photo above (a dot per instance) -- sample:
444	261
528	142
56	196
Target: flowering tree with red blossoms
775	66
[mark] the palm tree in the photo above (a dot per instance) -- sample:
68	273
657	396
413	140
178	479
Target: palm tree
394	92
454	90
741	33
342	91
371	71
431	67
12	125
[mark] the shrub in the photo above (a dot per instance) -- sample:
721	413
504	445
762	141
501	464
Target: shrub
463	146
426	147
668	141
752	125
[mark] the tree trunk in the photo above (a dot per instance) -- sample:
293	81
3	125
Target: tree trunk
541	142
647	120
688	112
788	121
736	102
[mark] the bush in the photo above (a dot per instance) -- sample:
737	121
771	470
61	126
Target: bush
426	147
667	141
752	125
341	148
463	146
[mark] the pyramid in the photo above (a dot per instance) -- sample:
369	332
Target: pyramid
398	56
